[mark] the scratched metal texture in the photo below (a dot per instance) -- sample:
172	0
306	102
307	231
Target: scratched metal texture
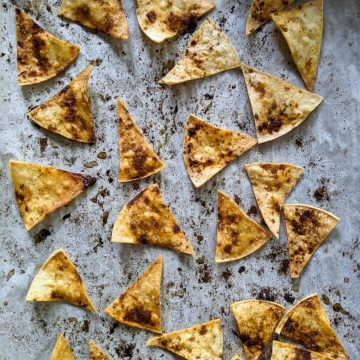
195	289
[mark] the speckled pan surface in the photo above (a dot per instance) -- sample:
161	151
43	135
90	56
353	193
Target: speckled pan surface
195	289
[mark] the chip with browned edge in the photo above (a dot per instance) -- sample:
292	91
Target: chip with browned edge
40	55
96	353
62	350
203	341
236	357
278	106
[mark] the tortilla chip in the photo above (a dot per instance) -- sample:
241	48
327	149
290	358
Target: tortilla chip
306	227
204	341
272	184
105	16
256	320
96	353
208	52
236	357
58	280
237	234
208	149
278	106
62	350
260	12
137	158
40	55
147	220
302	28
306	324
40	189
68	113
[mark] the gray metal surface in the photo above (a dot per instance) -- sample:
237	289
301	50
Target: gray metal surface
194	290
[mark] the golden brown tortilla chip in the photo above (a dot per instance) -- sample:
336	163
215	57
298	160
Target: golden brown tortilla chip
278	106
106	16
302	28
147	220
237	234
58	280
161	21
256	320
96	353
40	189
62	350
208	149
208	52
137	158
272	184
40	55
68	113
306	227
236	357
204	341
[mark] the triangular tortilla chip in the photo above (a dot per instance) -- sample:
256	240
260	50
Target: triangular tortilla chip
306	227
139	305
256	320
96	353
302	28
161	21
208	52
278	106
208	149
62	350
272	184
306	324
58	280
204	341
40	189
40	55
105	16
68	113
237	234
260	12
147	220
137	158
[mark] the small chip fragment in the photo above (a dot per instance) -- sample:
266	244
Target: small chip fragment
62	350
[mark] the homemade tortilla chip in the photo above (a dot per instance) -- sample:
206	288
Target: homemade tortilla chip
256	320
302	28
62	350
96	353
40	55
68	113
208	52
272	184
204	341
40	189
306	227
137	158
208	149
139	305
237	234
278	106
105	16
58	280
161	21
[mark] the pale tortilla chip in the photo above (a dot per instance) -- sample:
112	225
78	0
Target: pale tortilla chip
236	357
40	189
147	220
96	353
272	184
260	12
68	113
302	28
278	106
161	21
204	341
237	234
306	227
62	350
208	52
208	149
137	158
58	280
40	55
139	305
256	320
105	16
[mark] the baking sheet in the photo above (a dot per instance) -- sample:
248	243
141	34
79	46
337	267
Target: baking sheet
194	289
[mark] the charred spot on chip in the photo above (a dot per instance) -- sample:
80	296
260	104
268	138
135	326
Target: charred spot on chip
139	315
203	330
82	11
302	354
142	239
272	125
151	16
176	228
